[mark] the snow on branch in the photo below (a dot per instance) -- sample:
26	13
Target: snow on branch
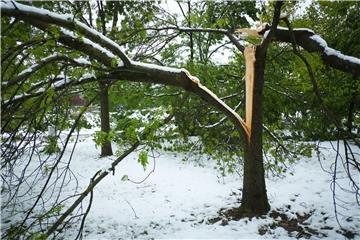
330	51
58	85
312	42
67	21
150	73
26	73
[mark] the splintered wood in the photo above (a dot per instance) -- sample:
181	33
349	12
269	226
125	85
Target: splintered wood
249	54
248	31
258	32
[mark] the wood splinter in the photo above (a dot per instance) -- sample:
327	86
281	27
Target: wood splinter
249	54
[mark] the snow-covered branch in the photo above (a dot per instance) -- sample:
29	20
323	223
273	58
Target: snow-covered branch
43	62
150	73
25	12
58	85
312	42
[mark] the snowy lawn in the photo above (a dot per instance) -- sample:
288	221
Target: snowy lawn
179	199
183	200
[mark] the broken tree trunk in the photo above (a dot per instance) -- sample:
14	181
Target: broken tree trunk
254	199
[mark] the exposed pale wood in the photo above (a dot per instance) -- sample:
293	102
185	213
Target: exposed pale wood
248	31
249	54
258	32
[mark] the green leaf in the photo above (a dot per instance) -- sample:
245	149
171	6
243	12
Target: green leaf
143	159
39	236
125	178
114	62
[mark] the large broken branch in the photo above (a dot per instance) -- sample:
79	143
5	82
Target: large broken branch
312	42
143	72
330	114
306	38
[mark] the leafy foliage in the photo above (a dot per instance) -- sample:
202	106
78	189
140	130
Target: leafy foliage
143	159
51	145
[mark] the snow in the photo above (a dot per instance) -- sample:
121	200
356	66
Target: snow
30	9
59	83
160	68
99	35
87	75
30	69
66	18
16	97
296	29
27	70
67	32
91	43
319	40
332	52
107	167
179	198
40	90
82	60
50	56
174	200
101	49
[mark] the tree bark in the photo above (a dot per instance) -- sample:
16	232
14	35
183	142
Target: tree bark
106	149
351	112
254	199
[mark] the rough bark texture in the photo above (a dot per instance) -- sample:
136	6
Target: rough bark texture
254	199
106	149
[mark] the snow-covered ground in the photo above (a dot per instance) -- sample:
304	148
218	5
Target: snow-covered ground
179	198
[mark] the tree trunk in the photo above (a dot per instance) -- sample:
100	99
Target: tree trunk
254	198
106	149
351	112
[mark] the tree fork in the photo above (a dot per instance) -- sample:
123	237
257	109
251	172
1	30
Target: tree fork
254	200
